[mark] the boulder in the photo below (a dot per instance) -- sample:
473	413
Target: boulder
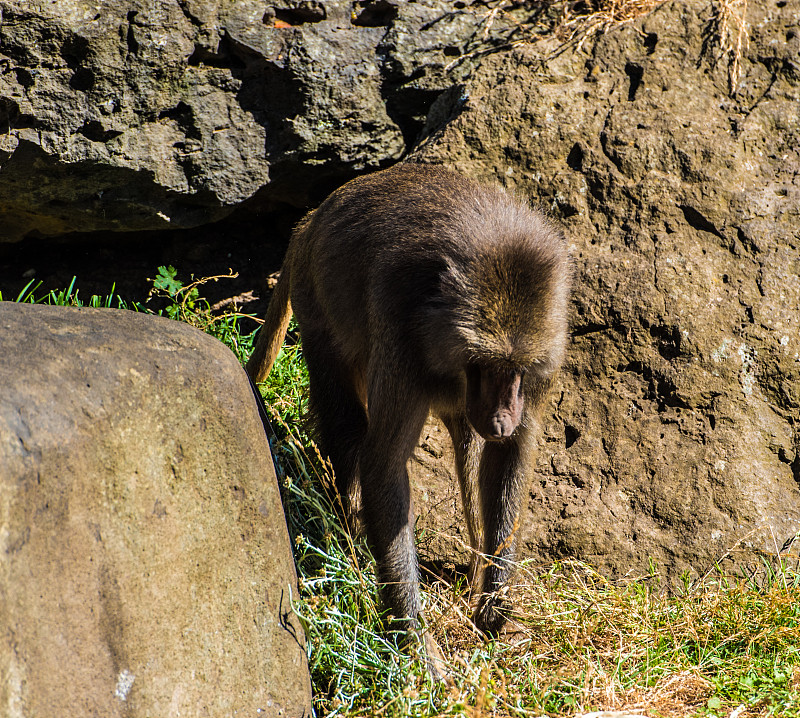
145	566
673	163
164	114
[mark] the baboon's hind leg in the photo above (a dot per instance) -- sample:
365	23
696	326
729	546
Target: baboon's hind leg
337	413
396	417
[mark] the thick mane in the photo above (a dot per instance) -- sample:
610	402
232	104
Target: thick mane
509	280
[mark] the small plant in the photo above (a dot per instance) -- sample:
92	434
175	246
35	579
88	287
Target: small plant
184	300
184	303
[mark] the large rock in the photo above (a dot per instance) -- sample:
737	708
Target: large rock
151	114
675	433
145	567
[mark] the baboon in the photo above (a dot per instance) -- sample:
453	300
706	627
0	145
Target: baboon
418	290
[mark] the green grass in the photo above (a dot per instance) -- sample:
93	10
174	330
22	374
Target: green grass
725	646
66	297
170	297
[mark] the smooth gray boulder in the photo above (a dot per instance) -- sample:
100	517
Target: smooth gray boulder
145	566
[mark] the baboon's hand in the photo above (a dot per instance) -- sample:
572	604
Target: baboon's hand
491	614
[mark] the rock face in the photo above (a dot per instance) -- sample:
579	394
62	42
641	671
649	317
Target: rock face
676	431
145	567
670	157
153	114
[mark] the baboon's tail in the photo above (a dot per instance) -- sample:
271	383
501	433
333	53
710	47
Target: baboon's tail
270	337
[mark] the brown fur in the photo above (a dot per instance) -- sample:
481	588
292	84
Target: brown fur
417	290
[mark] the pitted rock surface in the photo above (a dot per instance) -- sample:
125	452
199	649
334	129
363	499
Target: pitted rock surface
168	114
675	433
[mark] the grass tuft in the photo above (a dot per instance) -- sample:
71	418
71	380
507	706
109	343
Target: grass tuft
582	20
69	297
504	24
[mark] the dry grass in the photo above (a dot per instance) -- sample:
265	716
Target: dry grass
506	24
527	21
580	21
728	35
578	642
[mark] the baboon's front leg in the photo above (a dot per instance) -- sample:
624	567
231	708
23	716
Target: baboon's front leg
467	447
502	486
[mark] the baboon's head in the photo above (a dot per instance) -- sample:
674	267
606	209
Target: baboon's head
510	316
